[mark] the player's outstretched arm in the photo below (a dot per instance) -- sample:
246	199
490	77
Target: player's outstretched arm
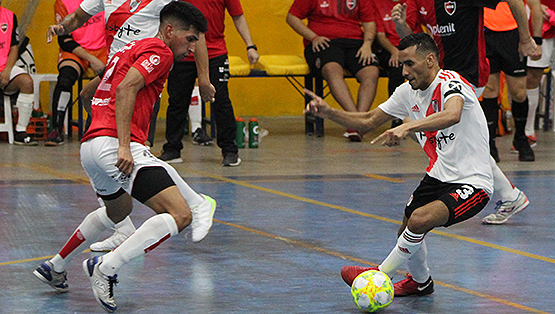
361	121
70	23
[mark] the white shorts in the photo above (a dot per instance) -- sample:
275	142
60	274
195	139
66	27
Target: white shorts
99	156
547	52
15	72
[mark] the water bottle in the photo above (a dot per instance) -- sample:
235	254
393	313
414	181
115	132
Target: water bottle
253	133
240	135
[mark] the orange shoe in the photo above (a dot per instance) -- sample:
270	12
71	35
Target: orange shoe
349	273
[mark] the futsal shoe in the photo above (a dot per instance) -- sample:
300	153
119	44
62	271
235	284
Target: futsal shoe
46	273
203	217
102	285
109	244
505	210
408	287
349	273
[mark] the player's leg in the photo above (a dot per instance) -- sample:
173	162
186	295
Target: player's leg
181	82
226	125
69	72
22	82
490	106
512	200
533	81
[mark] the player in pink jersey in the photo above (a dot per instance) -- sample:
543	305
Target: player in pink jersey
449	124
84	48
120	167
13	79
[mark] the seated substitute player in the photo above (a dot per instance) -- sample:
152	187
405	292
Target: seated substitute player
83	48
121	167
14	79
334	41
449	124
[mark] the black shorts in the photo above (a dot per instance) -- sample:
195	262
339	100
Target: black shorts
464	201
341	50
502	53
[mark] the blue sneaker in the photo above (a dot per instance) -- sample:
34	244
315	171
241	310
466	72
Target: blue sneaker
45	273
102	285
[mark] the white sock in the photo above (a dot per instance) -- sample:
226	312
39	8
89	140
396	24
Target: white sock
418	265
25	108
533	101
407	245
192	198
501	185
125	226
86	233
154	231
195	110
65	98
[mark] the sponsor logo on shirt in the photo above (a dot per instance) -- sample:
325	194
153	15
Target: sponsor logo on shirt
450	7
149	64
415	108
100	102
442	30
324	4
423	11
387	17
122	30
439	140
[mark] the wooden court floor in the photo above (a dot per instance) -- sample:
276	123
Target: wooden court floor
297	210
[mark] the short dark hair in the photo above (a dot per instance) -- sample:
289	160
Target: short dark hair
424	43
185	13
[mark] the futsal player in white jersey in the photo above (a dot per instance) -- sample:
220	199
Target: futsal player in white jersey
120	167
448	122
125	22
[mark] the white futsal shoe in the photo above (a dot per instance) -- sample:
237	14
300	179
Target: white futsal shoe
203	217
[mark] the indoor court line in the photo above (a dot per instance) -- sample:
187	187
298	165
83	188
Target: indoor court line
336	254
84	179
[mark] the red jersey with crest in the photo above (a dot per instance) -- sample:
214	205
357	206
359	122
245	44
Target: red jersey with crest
334	18
214	12
459	153
458	29
154	60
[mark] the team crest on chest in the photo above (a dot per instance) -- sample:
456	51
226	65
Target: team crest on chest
133	5
435	105
4	27
351	4
450	7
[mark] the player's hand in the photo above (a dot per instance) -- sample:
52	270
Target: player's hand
391	137
207	92
4	78
317	106
394	59
365	55
253	56
125	161
54	30
320	43
528	48
399	13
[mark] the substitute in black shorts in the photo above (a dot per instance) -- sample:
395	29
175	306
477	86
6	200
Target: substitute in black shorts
464	201
340	50
501	53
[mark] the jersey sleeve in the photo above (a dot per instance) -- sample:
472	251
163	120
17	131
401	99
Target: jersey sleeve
367	12
452	88
301	9
413	20
60	11
396	104
153	63
92	7
234	7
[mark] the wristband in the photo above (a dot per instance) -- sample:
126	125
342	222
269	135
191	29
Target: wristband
538	40
252	47
315	36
